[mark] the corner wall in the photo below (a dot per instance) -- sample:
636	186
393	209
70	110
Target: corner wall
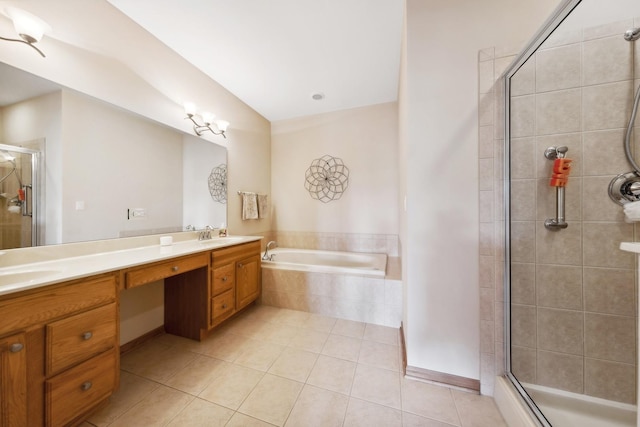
440	244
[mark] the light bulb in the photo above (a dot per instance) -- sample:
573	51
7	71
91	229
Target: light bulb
29	27
222	125
207	117
190	108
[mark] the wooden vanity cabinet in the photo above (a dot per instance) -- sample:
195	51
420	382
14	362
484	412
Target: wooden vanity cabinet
13	381
235	280
198	301
248	280
223	283
59	352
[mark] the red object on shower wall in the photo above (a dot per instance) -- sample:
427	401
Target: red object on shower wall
560	175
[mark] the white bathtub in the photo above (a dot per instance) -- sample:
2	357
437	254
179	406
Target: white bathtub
317	261
344	285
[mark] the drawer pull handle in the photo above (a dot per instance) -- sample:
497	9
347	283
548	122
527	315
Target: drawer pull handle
87	336
15	348
225	278
224	306
240	265
174	268
86	385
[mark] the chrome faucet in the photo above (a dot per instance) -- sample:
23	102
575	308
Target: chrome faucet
266	255
205	234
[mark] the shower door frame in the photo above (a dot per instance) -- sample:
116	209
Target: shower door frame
556	18
35	187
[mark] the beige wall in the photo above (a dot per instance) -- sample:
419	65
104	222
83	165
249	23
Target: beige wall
249	169
440	243
573	291
366	141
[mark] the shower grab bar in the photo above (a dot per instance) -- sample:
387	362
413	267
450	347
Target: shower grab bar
557	223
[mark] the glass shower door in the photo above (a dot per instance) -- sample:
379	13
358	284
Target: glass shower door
572	291
18	197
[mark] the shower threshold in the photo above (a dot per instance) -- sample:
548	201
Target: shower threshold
566	409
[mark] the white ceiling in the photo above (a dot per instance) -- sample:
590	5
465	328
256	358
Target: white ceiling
275	54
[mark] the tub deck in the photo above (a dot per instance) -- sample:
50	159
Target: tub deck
365	264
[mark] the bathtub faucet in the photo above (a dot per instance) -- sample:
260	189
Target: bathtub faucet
266	255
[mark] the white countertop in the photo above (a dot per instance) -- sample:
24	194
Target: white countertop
630	247
29	275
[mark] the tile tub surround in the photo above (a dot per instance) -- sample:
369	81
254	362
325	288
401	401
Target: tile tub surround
346	242
273	366
360	298
377	301
574	327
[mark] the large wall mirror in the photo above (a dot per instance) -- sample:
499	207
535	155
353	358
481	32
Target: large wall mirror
104	172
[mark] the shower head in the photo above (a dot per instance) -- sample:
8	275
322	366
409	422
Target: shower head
632	34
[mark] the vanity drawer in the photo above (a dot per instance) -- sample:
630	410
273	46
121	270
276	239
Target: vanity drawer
222	307
74	392
223	278
233	253
76	338
56	301
162	270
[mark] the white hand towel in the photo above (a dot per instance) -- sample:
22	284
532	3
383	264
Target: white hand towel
632	212
249	206
263	205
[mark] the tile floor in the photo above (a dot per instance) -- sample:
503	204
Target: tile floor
271	366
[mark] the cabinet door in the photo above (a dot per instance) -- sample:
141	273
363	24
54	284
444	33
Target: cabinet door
13	381
247	281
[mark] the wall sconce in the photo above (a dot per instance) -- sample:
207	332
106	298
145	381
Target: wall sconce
207	118
29	27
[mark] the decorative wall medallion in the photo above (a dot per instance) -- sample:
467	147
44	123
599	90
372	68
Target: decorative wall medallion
327	178
218	183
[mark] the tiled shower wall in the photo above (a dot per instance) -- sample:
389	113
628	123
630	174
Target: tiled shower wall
573	291
492	62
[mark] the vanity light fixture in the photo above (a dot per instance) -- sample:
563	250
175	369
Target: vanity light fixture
207	118
29	27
